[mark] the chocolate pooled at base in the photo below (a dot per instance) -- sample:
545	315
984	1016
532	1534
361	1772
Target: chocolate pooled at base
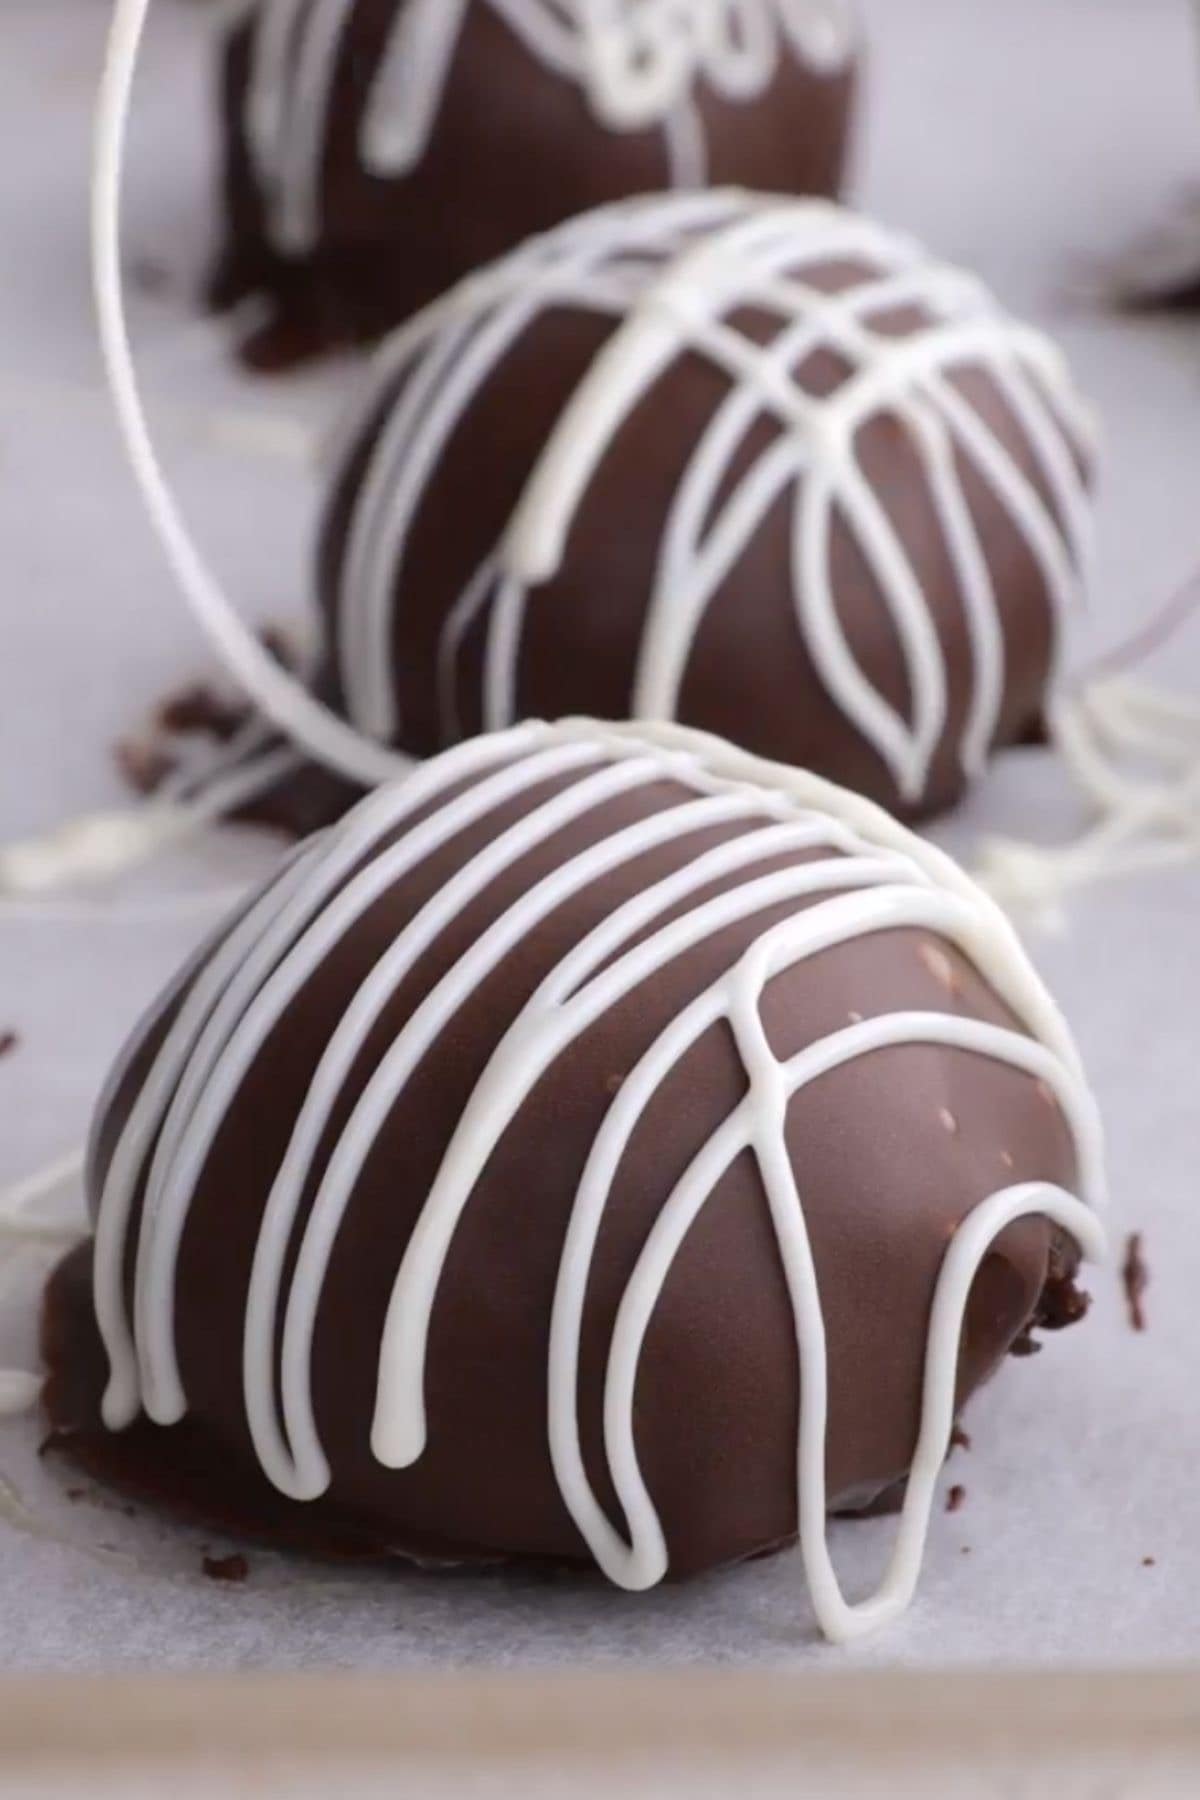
375	156
494	1061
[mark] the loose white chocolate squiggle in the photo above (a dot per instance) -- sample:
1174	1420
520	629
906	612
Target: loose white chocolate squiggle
638	63
855	873
673	271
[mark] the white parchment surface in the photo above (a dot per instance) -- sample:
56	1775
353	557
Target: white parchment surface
1029	138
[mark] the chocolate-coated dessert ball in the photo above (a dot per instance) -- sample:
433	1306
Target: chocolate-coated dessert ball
376	151
601	1147
762	467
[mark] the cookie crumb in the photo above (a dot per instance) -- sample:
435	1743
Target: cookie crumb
1149	1562
1135	1276
956	1498
960	1439
8	1042
226	1568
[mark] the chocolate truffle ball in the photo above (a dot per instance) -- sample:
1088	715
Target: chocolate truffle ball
759	466
600	1147
378	150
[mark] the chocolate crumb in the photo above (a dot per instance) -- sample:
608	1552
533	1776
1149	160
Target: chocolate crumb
960	1439
1061	1302
1148	1562
1025	1345
144	766
1136	1278
199	709
226	1568
965	1551
8	1042
956	1498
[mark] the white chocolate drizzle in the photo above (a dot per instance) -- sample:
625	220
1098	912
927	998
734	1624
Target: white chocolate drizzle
1133	753
672	272
855	873
637	63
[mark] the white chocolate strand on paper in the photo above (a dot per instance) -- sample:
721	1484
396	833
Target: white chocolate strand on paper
855	872
32	1219
1133	752
672	272
638	64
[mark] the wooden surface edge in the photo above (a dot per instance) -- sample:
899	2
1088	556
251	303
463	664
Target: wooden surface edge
534	1715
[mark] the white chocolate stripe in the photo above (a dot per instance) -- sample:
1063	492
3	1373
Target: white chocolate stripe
259	1004
252	945
394	1072
363	631
534	1043
303	1473
992	944
419	427
758	1124
693	567
125	1170
867	876
615	242
459	621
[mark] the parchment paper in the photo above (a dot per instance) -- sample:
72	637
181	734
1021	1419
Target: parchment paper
1029	138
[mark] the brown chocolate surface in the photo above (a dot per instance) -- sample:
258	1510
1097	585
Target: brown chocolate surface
884	1184
516	149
